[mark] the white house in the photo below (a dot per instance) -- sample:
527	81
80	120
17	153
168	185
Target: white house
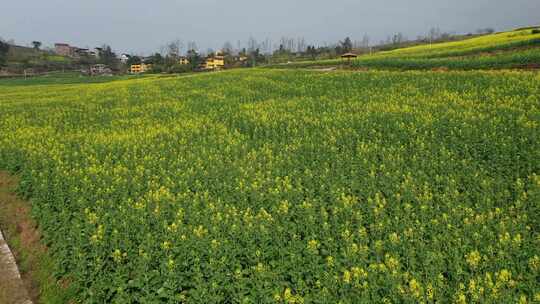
124	58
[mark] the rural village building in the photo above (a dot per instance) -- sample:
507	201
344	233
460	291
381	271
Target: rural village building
214	62
183	60
64	49
124	58
140	68
100	69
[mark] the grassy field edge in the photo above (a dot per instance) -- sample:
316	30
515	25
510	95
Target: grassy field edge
24	238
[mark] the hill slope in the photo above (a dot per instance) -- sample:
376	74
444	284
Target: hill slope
515	49
20	57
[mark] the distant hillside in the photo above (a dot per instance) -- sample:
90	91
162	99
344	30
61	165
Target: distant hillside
487	43
18	52
21	56
515	49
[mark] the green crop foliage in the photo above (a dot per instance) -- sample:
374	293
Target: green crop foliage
506	60
285	186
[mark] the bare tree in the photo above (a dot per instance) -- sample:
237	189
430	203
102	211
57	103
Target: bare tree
252	44
291	45
398	38
365	41
300	44
434	34
445	36
174	48
283	43
287	43
487	30
192	46
266	46
227	48
163	50
238	46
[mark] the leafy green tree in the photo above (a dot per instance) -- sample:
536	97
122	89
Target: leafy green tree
4	49
86	60
256	57
346	45
108	57
157	58
243	52
311	51
194	58
36	44
133	60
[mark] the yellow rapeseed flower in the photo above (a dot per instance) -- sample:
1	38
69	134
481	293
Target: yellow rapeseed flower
473	259
313	245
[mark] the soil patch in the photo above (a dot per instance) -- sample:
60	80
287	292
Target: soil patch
35	282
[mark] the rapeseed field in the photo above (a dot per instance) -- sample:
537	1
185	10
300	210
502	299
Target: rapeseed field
285	186
507	50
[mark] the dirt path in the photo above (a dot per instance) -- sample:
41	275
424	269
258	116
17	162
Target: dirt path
330	69
33	281
12	289
13	213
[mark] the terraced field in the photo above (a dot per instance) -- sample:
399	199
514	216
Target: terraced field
284	186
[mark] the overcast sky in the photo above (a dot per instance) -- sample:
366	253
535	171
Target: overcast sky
143	26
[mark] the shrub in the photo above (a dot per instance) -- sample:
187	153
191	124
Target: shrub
180	68
157	68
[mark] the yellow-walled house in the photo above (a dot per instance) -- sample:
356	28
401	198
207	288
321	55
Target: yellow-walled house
183	60
215	63
219	61
140	68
